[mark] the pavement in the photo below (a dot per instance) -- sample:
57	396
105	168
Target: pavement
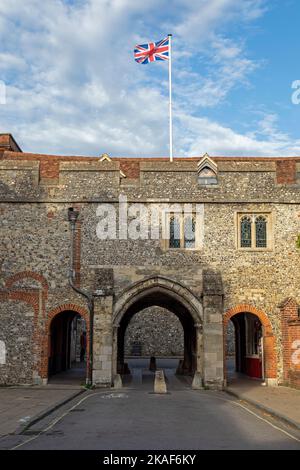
281	402
21	406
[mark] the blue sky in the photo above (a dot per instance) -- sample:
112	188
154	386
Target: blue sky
73	87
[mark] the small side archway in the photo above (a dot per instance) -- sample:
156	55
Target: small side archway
168	294
268	350
60	323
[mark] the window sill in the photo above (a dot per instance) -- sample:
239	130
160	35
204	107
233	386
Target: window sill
214	186
256	250
181	249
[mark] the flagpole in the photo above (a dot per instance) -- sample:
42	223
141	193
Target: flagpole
170	99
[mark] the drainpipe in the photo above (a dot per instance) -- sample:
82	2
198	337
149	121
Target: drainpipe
72	217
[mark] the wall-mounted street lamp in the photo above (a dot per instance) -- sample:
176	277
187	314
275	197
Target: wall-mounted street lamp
72	215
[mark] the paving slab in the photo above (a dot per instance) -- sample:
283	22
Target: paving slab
20	405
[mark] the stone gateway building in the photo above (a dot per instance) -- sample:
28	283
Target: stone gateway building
90	245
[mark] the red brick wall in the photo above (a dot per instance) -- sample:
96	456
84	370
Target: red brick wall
49	169
290	322
130	168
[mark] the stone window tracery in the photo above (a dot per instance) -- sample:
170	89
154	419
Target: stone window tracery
189	231
246	232
261	232
174	231
254	231
182	230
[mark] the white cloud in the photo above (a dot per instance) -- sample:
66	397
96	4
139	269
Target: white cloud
10	61
201	18
204	135
74	88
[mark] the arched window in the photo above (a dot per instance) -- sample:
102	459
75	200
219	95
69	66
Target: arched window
255	231
261	232
182	230
246	232
174	231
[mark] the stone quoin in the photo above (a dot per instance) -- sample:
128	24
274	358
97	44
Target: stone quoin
239	264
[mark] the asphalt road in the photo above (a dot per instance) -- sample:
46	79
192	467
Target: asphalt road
135	418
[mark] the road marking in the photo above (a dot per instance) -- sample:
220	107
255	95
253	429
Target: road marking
55	421
114	395
259	417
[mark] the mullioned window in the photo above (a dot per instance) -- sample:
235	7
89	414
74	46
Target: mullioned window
254	231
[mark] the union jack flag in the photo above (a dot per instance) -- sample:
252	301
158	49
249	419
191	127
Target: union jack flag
152	51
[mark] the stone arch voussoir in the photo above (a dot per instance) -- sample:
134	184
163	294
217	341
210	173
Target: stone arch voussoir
174	289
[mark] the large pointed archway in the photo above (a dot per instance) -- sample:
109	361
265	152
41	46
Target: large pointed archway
170	295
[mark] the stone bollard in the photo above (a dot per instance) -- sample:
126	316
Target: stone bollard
159	382
118	381
152	365
197	383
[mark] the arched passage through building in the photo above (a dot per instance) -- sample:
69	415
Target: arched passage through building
154	331
244	346
249	346
67	355
160	294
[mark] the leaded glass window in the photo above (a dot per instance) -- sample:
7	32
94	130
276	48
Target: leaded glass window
255	231
261	232
174	232
182	230
189	231
246	232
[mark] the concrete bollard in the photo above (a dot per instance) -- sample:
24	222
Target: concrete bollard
159	382
118	381
197	383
